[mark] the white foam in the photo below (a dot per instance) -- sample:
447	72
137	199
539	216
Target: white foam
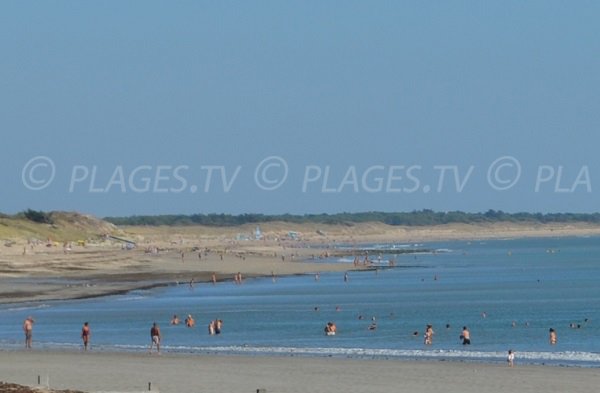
566	357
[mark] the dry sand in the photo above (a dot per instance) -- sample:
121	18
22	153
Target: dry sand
123	372
28	271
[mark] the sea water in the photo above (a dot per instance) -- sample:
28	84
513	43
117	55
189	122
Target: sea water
509	293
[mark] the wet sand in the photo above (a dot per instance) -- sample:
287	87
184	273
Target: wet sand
126	372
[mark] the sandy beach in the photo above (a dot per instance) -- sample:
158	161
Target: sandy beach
125	372
163	256
101	266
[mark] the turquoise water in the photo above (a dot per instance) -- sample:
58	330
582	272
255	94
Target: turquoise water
535	283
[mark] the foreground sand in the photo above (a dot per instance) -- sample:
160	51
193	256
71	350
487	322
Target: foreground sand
109	372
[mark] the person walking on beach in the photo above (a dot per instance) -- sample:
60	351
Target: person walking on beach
155	338
511	358
28	330
429	335
552	337
465	336
85	335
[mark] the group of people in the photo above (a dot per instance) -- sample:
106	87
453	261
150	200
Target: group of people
237	279
28	330
214	327
189	321
330	329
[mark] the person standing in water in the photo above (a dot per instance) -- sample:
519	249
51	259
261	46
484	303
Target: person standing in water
189	321
429	335
155	337
552	337
511	358
85	335
28	330
465	336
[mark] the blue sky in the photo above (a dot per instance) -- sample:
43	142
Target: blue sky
130	104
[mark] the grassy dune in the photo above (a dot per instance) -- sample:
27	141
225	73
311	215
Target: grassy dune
66	226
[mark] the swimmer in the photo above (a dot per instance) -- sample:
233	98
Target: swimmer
330	329
552	337
218	326
429	335
175	320
373	325
211	328
465	336
189	321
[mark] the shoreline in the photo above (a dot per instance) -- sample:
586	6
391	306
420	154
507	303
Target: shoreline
40	273
525	358
126	372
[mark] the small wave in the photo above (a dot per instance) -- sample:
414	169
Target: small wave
564	358
24	308
559	358
129	298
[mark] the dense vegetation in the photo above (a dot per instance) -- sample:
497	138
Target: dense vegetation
38	216
414	218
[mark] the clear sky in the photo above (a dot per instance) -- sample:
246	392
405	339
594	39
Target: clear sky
154	107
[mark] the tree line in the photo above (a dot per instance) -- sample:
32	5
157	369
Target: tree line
413	218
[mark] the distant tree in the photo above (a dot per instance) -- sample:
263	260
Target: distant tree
414	218
38	216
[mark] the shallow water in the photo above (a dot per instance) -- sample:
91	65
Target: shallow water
537	283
